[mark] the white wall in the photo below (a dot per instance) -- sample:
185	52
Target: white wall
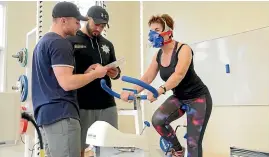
124	33
19	22
240	126
2	45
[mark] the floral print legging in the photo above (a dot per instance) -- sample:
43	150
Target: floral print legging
197	118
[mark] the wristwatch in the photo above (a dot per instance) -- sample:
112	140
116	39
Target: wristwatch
163	87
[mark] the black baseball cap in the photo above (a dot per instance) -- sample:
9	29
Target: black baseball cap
67	9
98	14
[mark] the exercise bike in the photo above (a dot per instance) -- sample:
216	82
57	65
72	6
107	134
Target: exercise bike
107	141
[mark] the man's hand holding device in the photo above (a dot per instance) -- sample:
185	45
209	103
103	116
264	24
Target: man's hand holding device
111	69
98	69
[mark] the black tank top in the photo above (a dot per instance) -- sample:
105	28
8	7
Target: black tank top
191	86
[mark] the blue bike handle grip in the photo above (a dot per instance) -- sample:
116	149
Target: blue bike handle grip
131	90
142	84
111	92
131	80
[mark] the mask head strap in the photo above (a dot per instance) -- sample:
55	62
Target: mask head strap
166	27
167	30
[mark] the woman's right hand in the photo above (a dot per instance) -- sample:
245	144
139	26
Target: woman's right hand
125	94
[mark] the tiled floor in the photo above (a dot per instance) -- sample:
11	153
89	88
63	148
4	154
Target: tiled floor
206	154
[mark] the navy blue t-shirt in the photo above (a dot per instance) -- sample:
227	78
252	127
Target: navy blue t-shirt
51	102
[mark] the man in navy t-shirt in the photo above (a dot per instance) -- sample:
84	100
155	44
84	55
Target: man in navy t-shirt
53	83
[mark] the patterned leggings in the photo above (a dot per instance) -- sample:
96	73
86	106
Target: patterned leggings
197	118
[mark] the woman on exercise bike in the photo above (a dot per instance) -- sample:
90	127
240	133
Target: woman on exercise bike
174	61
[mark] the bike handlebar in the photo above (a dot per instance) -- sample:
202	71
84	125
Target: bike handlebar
130	80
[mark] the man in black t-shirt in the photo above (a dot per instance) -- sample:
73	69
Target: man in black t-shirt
91	48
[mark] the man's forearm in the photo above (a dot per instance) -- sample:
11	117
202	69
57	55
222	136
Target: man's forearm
79	80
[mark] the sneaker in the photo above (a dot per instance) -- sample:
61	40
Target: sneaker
178	153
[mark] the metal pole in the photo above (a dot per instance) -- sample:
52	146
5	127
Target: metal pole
37	34
39	26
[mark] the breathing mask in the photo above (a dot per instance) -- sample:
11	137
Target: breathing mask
156	39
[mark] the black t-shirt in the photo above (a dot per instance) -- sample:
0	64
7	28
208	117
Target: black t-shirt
191	86
88	51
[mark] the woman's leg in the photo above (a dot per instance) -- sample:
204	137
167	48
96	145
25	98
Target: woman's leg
197	120
169	111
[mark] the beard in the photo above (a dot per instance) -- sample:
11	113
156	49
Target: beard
90	32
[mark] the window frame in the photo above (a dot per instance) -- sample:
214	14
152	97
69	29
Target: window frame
3	49
100	3
83	8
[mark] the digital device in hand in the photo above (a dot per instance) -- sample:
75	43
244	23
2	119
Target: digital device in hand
116	63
